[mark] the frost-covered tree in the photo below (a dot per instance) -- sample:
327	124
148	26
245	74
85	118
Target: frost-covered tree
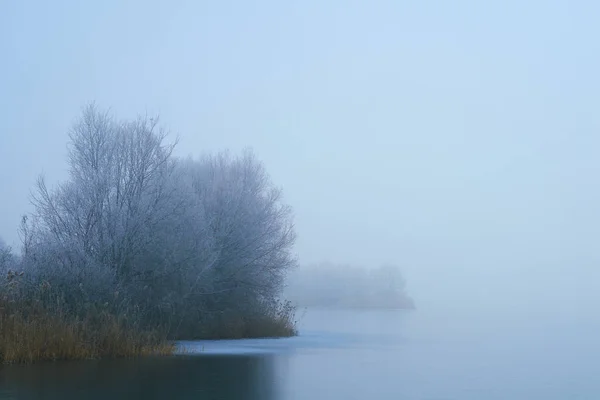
8	261
4	256
183	240
252	228
117	192
241	267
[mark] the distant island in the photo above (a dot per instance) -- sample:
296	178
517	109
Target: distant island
347	286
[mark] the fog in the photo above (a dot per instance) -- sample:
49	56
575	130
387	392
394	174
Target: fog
457	140
348	286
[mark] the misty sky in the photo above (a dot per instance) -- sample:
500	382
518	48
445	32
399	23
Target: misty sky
458	139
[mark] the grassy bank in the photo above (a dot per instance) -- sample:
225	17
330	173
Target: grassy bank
39	325
45	334
33	331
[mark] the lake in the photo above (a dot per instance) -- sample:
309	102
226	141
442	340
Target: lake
344	354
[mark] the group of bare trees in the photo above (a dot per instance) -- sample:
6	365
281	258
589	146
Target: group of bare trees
183	240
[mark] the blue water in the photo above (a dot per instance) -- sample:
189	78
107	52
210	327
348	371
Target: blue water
420	355
466	356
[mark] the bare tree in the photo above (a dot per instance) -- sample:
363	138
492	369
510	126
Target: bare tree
117	194
251	231
5	257
182	238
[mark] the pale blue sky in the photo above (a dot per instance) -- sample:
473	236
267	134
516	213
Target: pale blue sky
456	138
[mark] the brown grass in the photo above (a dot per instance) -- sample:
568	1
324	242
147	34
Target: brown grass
52	337
37	325
31	334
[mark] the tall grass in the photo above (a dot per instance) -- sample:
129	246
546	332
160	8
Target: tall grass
48	336
39	326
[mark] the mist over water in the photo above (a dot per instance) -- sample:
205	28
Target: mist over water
455	140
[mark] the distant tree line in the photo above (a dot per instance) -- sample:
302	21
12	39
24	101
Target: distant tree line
331	285
200	246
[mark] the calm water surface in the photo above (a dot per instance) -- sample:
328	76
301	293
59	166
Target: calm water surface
417	355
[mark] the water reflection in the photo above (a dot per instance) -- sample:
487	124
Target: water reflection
193	377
